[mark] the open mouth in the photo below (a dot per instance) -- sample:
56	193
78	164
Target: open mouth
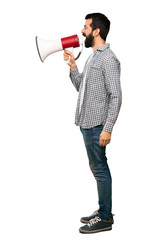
84	37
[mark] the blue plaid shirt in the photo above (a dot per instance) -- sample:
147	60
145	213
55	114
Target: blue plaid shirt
102	96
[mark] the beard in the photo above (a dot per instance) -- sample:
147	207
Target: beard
89	40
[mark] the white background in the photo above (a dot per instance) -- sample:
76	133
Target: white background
45	182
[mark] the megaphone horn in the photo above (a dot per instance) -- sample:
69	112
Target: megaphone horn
47	47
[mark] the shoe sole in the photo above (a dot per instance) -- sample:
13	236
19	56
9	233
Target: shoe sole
95	231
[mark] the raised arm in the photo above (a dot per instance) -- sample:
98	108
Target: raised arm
75	76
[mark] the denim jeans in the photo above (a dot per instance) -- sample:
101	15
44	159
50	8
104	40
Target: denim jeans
99	167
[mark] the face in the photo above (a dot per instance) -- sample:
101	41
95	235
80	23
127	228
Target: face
87	32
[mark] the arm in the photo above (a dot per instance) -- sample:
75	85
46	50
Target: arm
113	88
75	76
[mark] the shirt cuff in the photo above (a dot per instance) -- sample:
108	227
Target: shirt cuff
74	73
108	127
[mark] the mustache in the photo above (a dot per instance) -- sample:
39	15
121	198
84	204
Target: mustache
84	35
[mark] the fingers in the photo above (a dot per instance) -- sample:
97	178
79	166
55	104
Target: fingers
68	53
68	56
103	141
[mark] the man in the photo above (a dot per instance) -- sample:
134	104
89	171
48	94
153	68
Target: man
98	106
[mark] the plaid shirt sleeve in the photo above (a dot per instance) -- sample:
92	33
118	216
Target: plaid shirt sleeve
76	78
111	71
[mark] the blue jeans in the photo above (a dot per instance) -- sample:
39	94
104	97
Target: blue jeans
99	167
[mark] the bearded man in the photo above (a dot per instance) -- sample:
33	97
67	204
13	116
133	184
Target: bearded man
98	106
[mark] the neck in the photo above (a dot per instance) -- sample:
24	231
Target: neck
97	44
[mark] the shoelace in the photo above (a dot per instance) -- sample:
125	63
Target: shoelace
95	213
94	221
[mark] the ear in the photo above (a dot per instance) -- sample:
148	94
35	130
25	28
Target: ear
96	32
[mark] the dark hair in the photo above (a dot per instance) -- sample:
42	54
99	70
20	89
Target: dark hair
100	21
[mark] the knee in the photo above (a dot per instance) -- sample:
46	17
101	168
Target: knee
91	167
102	175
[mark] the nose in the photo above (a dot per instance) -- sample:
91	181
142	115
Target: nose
82	31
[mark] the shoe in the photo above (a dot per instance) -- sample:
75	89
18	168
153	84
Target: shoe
94	214
96	225
87	219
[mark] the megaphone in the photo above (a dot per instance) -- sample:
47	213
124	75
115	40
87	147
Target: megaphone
47	47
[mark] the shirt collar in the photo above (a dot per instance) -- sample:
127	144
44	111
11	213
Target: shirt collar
103	47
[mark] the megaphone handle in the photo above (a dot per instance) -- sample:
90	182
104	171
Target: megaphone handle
79	54
71	50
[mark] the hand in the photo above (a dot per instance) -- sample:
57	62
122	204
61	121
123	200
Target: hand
105	138
72	63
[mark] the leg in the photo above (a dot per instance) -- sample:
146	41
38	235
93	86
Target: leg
99	168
